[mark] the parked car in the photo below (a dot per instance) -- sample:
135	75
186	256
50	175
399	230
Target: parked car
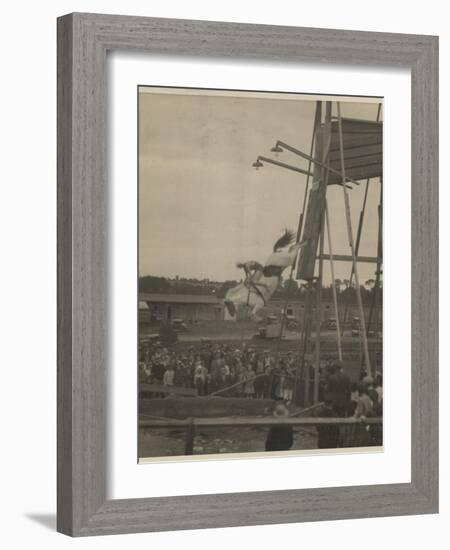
330	324
291	322
269	331
271	319
179	325
356	323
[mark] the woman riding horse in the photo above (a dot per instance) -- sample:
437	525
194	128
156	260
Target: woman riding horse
261	281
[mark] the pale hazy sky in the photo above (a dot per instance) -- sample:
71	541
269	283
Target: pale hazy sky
203	207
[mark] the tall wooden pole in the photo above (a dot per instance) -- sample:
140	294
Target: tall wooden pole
302	371
318	314
333	283
358	240
359	231
375	303
362	331
317	118
306	344
315	215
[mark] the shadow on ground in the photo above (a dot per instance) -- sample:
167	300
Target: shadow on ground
46	520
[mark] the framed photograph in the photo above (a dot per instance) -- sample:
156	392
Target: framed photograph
240	324
247	274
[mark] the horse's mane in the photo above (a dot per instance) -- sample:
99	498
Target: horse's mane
286	239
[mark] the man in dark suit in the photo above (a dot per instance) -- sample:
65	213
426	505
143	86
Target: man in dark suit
328	435
338	389
281	437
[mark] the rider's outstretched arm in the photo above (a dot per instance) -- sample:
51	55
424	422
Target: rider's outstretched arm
295	247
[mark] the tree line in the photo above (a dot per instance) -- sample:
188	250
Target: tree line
288	289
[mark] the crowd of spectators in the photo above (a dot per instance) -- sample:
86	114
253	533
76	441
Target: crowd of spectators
221	369
343	398
247	372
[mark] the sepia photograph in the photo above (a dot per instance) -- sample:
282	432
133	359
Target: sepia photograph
260	273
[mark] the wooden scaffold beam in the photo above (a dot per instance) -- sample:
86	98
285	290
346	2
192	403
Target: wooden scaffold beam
363	333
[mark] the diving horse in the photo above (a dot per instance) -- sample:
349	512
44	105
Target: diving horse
262	281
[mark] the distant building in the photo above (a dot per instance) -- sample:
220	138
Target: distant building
188	307
144	313
159	307
296	308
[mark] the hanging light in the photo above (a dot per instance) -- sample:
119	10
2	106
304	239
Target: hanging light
257	164
277	149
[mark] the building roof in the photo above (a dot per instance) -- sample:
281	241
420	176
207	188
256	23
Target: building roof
362	147
178	298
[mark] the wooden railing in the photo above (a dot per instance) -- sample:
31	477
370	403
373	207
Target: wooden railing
248	421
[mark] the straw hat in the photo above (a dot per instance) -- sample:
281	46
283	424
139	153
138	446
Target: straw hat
281	411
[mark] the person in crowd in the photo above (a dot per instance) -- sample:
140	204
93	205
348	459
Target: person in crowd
373	394
224	378
364	405
142	373
288	387
241	377
148	371
376	430
217	363
280	437
338	388
279	379
249	386
261	380
364	408
378	385
200	374
328	435
169	376
354	397
322	383
158	370
365	377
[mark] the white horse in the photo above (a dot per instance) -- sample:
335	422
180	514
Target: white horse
262	281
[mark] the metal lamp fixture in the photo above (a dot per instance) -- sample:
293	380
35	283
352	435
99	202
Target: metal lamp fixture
277	149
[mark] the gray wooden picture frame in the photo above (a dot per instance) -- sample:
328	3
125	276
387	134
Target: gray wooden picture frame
83	42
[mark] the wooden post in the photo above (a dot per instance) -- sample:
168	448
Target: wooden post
300	371
333	284
301	358
318	315
313	231
360	226
190	434
375	303
306	343
358	240
316	201
299	233
363	334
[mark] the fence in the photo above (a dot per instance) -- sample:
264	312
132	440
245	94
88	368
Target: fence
249	421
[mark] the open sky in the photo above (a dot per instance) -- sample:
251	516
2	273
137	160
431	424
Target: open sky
203	207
